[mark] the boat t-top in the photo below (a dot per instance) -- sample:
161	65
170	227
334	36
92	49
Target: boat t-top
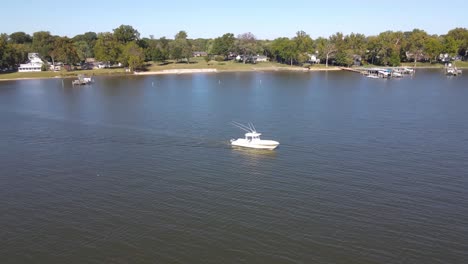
252	138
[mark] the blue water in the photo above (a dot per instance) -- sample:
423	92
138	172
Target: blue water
140	170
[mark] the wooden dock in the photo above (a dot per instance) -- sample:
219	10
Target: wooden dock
378	72
82	80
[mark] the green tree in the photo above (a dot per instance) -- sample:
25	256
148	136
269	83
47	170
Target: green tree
416	44
285	50
64	50
199	44
223	45
277	47
461	36
344	57
434	47
326	48
181	48
162	50
87	50
126	33
3	50
356	43
20	38
157	50
450	45
374	48
385	48
83	50
43	43
12	54
265	46
303	41
304	45
88	37
343	53
133	56
18	53
394	59
290	51
246	45
107	48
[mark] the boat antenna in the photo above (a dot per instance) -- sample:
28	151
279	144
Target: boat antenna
253	127
250	126
243	127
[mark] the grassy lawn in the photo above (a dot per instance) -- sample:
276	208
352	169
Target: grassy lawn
200	63
460	64
195	63
423	64
60	74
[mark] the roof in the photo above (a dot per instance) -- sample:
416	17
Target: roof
252	134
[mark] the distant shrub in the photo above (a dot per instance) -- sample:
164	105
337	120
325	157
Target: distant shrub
219	58
221	63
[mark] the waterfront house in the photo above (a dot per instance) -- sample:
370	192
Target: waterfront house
260	58
200	54
420	56
313	58
357	60
34	63
56	67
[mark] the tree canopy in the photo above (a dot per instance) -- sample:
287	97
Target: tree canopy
223	45
124	45
126	33
181	47
107	48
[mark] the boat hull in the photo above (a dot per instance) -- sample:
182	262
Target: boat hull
255	144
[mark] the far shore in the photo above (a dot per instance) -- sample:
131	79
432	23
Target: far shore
180	69
175	71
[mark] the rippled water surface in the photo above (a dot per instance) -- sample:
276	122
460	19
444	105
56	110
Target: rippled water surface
139	169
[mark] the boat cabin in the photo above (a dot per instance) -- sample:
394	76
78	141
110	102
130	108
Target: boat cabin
252	136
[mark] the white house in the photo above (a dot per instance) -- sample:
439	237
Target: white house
313	58
34	64
260	58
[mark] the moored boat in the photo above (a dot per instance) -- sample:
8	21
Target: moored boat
82	80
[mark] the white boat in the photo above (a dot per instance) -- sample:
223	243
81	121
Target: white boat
372	76
397	74
252	139
453	71
408	70
82	80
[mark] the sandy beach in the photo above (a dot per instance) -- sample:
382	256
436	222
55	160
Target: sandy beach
212	70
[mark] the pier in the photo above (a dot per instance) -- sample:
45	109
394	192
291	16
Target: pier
452	71
387	72
82	80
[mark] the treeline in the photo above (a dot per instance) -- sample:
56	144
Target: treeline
125	46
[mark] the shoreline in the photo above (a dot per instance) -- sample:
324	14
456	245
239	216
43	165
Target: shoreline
205	70
183	71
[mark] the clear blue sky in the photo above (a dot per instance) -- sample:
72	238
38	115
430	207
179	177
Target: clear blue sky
209	18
